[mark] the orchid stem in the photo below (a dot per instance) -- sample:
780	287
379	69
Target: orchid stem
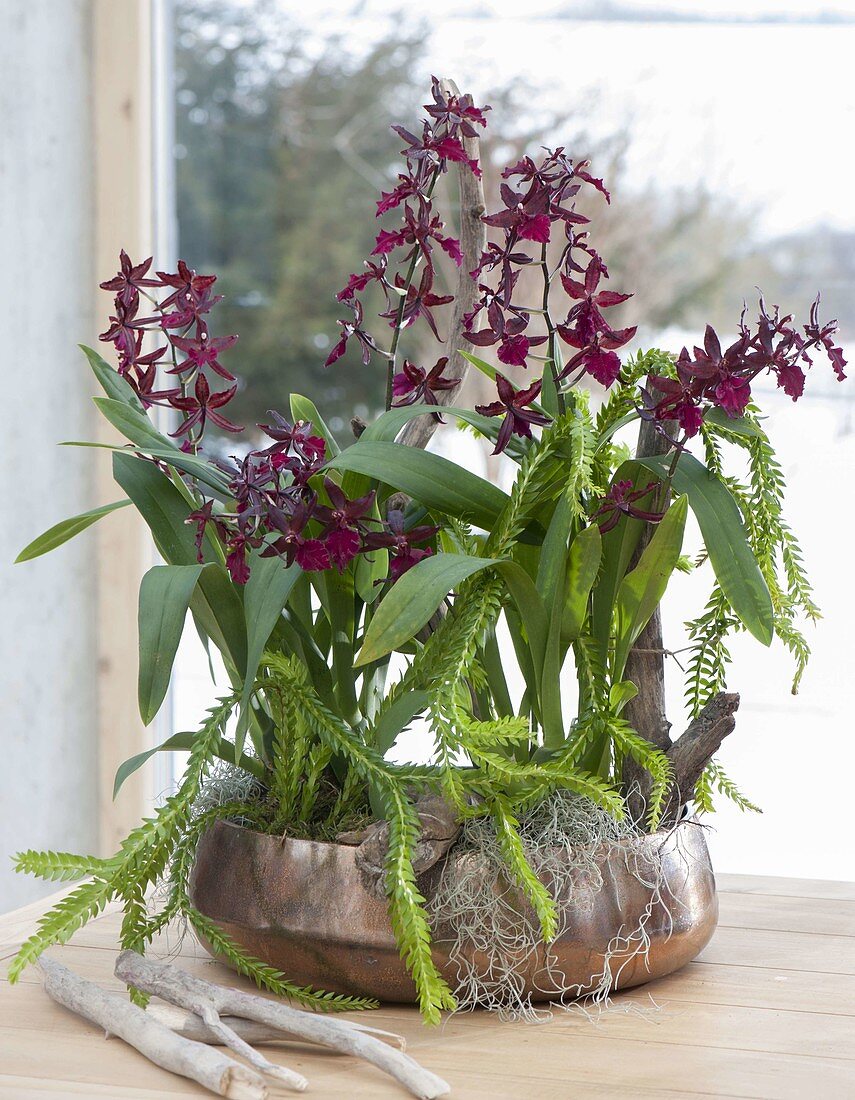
393	349
550	327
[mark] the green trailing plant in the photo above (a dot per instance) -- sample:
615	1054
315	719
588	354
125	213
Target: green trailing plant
352	591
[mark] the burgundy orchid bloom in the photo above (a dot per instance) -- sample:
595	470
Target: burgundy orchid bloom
620	501
512	403
201	518
125	326
418	302
202	406
374	273
343	523
190	309
184	282
353	328
455	112
236	562
401	544
292	545
204	352
298	436
527	217
414	384
131	277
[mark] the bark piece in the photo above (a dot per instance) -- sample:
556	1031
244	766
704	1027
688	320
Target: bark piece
439	830
208	1000
473	239
117	1016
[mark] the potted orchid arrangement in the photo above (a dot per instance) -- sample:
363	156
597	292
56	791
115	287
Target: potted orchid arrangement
351	591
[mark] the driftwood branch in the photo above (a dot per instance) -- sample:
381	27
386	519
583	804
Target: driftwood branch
194	1027
473	239
691	753
645	665
209	1001
190	1026
116	1015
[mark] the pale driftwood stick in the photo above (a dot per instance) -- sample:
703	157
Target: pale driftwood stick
116	1015
473	239
204	998
691	753
194	1027
190	1026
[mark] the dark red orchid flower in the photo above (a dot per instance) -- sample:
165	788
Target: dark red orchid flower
204	352
419	301
513	405
292	544
343	523
355	329
401	543
202	407
620	500
130	279
414	384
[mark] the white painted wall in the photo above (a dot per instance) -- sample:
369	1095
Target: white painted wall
48	658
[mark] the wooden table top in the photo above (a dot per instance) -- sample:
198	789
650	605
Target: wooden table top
767	1011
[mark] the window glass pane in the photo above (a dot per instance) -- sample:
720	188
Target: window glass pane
722	143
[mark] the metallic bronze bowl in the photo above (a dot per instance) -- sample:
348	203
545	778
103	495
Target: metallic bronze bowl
301	906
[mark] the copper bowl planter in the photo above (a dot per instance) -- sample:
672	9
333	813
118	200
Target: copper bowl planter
301	906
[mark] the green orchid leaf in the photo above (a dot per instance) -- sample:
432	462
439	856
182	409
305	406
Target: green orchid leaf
66	529
551	585
413	599
111	382
618	547
620	694
396	718
387	428
216	604
642	589
133	424
435	482
730	553
737	425
164	600
194	465
532	613
184	742
264	596
583	564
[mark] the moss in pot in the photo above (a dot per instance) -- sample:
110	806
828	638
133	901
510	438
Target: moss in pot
531	857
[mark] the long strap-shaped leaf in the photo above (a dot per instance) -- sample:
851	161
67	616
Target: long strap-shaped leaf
413	599
164	599
66	529
427	477
727	544
641	590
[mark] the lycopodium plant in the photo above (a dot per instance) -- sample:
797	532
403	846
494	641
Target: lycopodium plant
311	567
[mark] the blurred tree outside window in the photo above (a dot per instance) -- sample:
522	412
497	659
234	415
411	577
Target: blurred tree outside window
283	144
